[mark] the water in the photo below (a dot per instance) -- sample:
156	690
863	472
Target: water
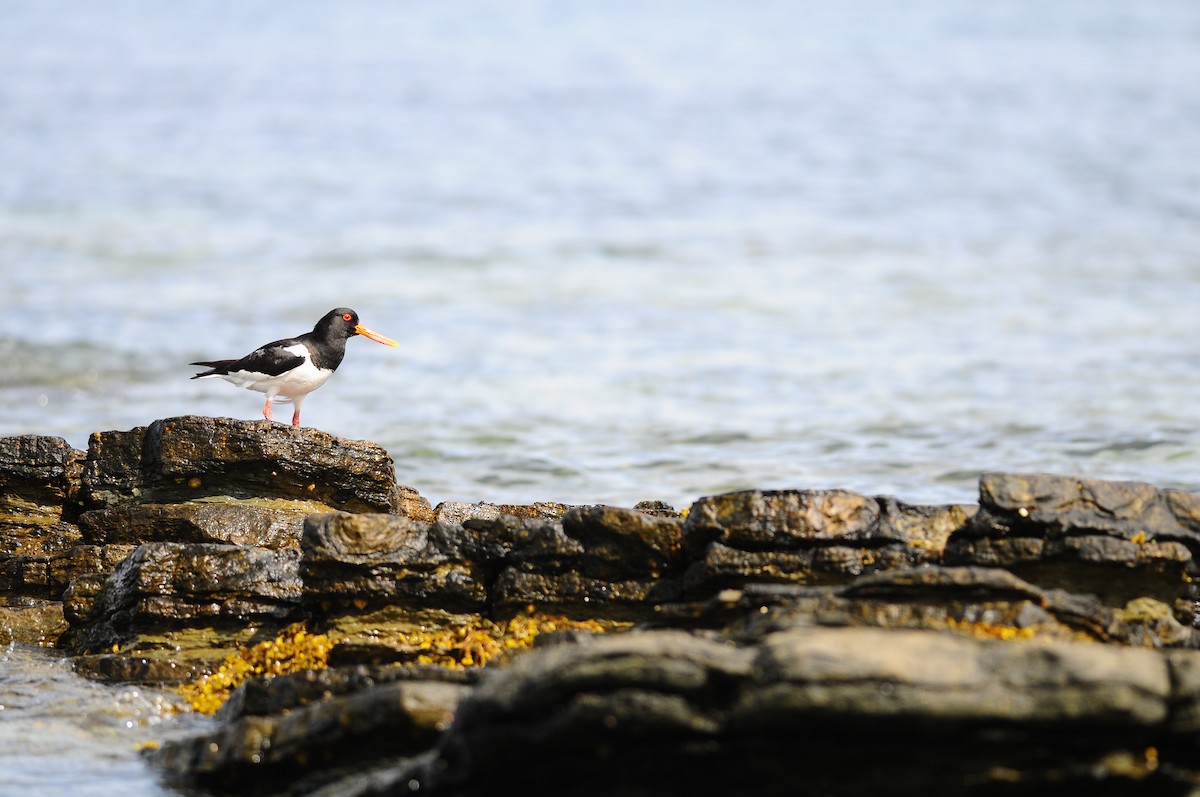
62	735
633	250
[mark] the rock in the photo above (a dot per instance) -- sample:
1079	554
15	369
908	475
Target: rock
457	512
283	693
79	598
172	586
599	561
1184	669
1153	624
811	671
185	459
156	669
408	502
621	559
664	712
83	560
976	601
40	623
1043	641
39	479
374	581
47	577
657	508
262	523
377	560
808	536
315	742
627	541
1117	540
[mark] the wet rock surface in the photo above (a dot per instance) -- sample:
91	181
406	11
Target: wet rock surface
809	536
189	458
1116	540
763	642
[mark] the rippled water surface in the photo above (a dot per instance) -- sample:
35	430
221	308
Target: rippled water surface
62	735
633	250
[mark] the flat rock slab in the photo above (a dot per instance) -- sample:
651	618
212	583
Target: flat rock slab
762	519
260	523
38	624
188	458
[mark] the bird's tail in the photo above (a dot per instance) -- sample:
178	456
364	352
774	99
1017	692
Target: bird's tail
216	368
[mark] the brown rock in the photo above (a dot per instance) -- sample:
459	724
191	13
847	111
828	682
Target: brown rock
184	459
171	586
263	524
598	561
39	479
352	561
39	623
809	536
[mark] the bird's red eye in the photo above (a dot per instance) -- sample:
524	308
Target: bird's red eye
346	316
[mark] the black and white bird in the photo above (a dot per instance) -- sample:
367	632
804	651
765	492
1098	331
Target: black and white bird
290	369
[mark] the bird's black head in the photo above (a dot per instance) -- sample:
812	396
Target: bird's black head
338	323
342	324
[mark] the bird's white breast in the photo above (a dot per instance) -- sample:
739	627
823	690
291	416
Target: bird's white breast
299	381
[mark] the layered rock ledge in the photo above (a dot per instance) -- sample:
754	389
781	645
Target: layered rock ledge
765	642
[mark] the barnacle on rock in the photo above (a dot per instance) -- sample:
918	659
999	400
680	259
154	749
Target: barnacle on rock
293	650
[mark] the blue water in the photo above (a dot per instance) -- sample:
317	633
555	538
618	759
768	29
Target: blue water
633	250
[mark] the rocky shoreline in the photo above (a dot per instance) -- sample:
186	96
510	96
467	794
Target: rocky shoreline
757	642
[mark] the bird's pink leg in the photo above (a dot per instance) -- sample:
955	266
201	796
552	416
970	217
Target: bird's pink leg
267	410
296	416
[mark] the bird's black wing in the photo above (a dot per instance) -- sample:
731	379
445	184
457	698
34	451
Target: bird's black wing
272	360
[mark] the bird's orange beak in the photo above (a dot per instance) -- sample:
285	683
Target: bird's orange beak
359	329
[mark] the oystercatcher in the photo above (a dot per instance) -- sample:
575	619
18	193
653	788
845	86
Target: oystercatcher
291	368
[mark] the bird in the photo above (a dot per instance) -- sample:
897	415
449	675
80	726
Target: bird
291	368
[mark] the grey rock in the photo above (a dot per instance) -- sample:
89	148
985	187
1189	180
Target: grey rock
1116	540
653	712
